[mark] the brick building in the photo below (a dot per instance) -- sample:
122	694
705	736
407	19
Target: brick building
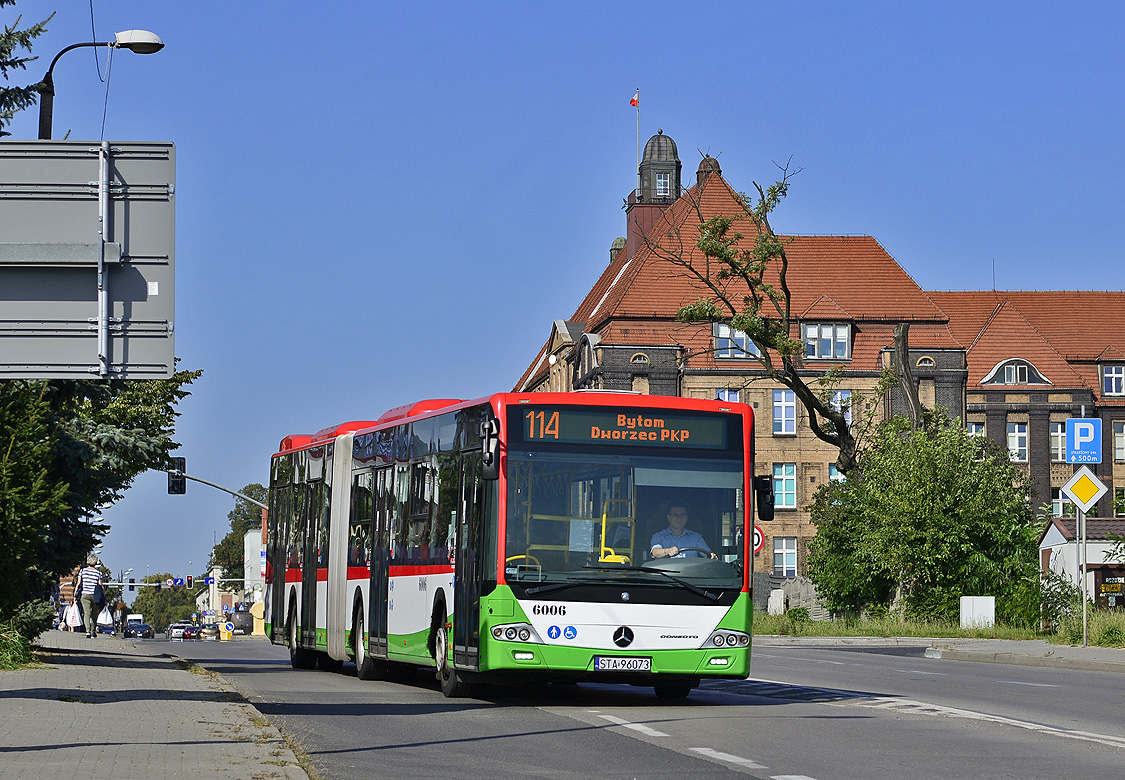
1009	363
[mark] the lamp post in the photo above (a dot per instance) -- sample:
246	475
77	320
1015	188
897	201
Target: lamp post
136	41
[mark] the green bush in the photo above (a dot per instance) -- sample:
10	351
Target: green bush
18	631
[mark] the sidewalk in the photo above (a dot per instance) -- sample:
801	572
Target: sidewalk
1022	652
106	708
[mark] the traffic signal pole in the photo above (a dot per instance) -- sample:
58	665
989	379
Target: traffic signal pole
244	497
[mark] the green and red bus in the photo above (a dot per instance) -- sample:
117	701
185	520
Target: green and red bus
510	538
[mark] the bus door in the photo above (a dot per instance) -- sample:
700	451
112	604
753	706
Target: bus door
468	570
380	562
314	497
278	539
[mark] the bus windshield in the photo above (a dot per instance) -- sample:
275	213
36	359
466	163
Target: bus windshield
586	518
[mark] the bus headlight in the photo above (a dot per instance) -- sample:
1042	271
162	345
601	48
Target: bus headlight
726	638
516	632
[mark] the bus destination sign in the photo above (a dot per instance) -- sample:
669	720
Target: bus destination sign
577	425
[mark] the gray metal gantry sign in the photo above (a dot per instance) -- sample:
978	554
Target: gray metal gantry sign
87	259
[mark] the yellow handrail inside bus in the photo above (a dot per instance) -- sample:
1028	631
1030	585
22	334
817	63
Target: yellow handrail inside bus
608	554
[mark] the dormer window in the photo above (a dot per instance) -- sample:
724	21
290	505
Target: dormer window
639	358
1015	372
1113	380
926	362
827	341
663	184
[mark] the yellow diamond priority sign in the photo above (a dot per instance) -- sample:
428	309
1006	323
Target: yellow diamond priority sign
1084	489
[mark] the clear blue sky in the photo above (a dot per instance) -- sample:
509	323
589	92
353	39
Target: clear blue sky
378	203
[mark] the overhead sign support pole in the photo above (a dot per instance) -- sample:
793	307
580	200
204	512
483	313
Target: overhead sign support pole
103	285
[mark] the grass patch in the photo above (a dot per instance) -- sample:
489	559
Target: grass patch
889	626
1103	629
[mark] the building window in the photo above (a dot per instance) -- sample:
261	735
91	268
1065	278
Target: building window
827	342
1060	504
784	413
834	474
1119	502
1015	374
639	357
731	343
726	394
926	362
1119	442
842	399
785	556
1058	442
663	184
975	428
785	485
1113	380
1017	442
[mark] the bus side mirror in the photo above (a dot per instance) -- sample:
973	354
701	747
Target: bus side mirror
490	447
763	496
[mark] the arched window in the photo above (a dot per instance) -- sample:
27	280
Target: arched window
639	357
926	362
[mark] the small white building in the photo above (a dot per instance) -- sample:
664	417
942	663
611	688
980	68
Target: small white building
1058	552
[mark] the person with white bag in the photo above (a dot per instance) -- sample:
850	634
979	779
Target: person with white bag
89	585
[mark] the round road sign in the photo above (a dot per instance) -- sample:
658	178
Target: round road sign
759	539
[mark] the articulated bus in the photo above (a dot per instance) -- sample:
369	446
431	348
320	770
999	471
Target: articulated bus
511	539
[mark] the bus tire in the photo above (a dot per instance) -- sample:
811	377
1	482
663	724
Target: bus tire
299	657
366	667
672	690
453	686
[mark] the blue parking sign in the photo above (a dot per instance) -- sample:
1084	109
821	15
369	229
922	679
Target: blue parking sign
1083	440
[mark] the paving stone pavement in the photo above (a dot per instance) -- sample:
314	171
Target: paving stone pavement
103	708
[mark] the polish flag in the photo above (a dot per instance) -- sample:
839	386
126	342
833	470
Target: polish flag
636	99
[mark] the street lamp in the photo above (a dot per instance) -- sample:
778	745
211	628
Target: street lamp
136	41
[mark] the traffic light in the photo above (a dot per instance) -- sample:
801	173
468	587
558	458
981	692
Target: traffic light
190	581
159	585
132	585
177	482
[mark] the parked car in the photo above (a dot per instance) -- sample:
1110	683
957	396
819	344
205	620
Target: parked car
210	631
139	631
191	632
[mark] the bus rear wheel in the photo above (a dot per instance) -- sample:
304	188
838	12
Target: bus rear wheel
366	667
299	658
452	686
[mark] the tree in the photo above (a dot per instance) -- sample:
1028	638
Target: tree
748	290
14	41
230	553
70	448
934	514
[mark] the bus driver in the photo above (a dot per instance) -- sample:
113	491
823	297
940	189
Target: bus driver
677	540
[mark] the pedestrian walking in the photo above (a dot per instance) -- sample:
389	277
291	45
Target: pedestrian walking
89	585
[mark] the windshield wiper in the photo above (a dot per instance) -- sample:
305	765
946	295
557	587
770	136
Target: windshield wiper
553	586
684	583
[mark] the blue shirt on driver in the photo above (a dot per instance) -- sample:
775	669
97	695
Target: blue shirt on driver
689	538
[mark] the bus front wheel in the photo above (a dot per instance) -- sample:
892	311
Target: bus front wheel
366	667
452	686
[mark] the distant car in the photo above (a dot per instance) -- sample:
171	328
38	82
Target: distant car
210	631
176	631
107	629
191	632
139	630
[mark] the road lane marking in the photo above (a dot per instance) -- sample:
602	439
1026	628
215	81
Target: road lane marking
791	777
647	730
914	671
1030	685
728	758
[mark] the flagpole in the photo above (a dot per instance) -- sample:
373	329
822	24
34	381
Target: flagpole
638	142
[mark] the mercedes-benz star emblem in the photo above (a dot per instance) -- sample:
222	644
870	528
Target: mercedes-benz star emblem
624	595
623	637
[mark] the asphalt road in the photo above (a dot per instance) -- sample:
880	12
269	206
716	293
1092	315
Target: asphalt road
806	714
